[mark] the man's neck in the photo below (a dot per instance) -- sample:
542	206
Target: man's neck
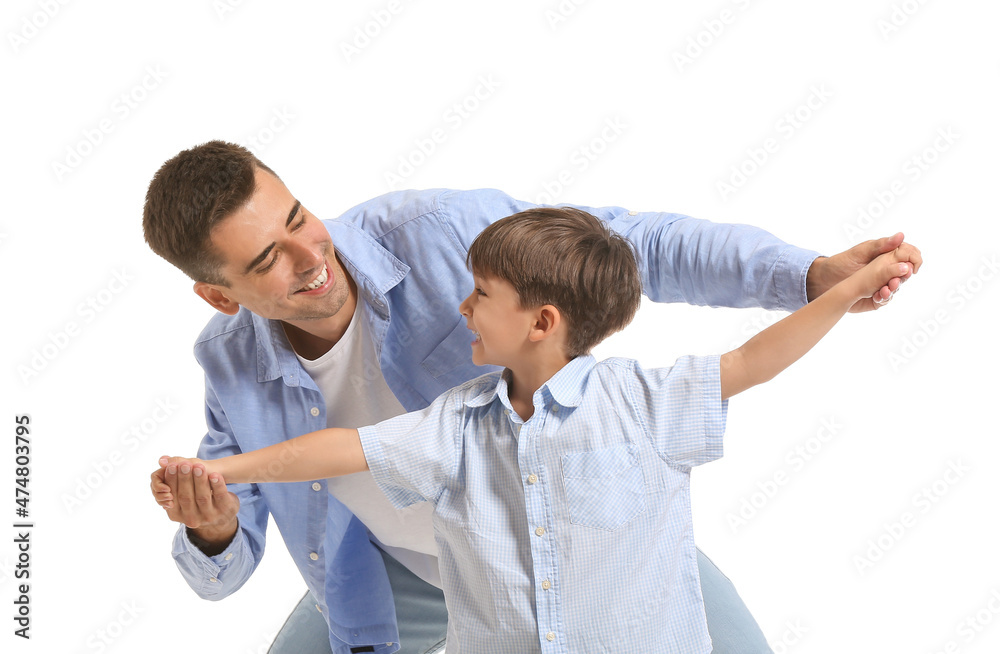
312	339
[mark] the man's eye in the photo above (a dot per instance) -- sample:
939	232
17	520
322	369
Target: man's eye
268	267
300	223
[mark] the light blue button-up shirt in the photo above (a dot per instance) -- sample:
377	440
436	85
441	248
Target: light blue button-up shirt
406	252
571	531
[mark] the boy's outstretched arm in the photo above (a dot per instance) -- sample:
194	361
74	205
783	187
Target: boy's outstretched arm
780	345
319	454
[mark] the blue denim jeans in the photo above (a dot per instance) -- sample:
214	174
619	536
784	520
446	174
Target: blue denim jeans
423	620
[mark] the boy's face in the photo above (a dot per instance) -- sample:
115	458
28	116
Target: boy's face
501	326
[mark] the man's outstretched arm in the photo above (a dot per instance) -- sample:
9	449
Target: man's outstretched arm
685	259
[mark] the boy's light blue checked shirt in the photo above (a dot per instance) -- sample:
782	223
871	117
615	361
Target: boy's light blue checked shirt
571	531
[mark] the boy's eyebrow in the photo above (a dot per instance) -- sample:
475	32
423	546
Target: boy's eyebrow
263	255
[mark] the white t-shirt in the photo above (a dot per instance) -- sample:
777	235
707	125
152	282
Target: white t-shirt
356	395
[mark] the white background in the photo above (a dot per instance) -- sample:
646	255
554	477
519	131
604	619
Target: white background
907	388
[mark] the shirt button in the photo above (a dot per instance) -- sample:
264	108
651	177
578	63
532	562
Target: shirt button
213	580
550	636
540	531
314	411
633	213
320	609
555	408
546	585
532	478
314	556
229	556
317	486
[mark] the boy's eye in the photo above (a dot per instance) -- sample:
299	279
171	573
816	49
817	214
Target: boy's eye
479	291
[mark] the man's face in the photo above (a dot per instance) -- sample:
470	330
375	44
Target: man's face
278	258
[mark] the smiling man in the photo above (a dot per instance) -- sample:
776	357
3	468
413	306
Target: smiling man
346	322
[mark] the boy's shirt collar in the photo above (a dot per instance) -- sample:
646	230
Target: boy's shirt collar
565	387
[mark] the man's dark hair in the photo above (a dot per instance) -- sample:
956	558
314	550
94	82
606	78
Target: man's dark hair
191	194
569	259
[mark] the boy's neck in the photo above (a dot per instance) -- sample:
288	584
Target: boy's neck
528	378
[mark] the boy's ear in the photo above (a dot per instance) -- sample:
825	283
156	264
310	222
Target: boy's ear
218	297
548	320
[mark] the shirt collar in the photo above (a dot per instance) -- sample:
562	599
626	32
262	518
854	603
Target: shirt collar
565	387
375	271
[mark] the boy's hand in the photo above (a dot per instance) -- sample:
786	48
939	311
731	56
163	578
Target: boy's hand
865	285
196	496
826	272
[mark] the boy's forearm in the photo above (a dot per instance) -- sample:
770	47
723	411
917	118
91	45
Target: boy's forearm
320	454
780	345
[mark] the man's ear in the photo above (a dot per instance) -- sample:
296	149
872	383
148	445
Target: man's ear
217	297
548	320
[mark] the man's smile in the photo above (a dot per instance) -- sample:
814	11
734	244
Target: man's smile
319	284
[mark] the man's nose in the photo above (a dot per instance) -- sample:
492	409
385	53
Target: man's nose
306	257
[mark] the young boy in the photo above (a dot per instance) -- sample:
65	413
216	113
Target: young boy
561	485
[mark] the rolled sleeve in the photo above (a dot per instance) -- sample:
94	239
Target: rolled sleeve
685	259
213	577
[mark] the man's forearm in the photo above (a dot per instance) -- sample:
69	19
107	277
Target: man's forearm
212	539
716	264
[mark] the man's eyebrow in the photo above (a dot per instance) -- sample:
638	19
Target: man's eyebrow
263	255
291	214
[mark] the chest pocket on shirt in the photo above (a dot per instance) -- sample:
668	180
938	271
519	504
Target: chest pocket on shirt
604	488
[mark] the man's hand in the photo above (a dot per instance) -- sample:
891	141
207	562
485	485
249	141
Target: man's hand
197	498
825	272
875	276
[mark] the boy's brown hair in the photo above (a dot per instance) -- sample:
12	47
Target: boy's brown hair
569	259
189	195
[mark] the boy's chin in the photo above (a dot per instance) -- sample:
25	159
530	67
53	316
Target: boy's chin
481	360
